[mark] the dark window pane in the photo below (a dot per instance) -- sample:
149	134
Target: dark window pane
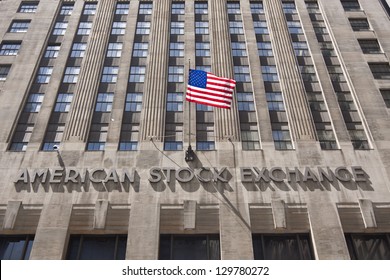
369	246
15	247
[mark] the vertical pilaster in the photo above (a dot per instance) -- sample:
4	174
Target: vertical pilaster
300	119
144	226
326	230
235	231
118	105
153	115
51	235
226	121
86	89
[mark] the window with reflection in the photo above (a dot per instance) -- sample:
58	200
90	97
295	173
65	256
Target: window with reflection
368	246
97	247
189	247
15	247
282	247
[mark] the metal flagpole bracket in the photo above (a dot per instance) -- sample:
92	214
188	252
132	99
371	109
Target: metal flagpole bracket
190	154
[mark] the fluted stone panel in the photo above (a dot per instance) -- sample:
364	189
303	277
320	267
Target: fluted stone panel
89	78
153	116
226	121
300	119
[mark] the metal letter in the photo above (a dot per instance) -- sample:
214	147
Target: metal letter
359	174
217	175
295	172
309	175
112	176
72	178
322	174
345	178
23	176
184	180
261	175
271	174
245	173
56	172
199	174
155	175
92	178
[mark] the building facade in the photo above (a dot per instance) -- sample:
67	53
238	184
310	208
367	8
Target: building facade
95	128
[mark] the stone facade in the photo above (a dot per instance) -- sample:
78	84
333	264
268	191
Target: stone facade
234	203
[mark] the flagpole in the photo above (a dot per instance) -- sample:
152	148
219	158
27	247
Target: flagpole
189	155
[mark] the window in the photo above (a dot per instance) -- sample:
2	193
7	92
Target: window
140	49
175	102
289	8
233	8
282	247
350	5
301	49
201	27
245	101
359	24
118	28
265	49
78	49
294	27
173	137
28	7
129	137
189	247
60	28
205	135
270	73
53	136
97	247
110	74
201	8
176	49
206	68
241	74
137	74
313	8
114	50
327	49
239	49
4	70
178	9
250	136
308	73
15	247
21	137
176	74
236	27
260	27
66	9
202	49
257	8
71	75
370	46
275	101
145	8
143	28
44	74
122	8
63	102
18	26
34	103
177	27
282	139
386	96
133	102
368	246
11	48
97	137
52	51
84	28
336	74
104	102
90	9
380	71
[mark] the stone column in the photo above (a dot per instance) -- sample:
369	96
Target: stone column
326	230
226	121
144	226
82	108
300	120
235	231
153	113
52	232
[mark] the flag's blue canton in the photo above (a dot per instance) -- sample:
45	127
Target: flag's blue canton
198	78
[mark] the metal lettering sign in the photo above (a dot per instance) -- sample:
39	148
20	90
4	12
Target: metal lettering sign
120	179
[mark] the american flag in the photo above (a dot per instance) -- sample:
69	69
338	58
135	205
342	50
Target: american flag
208	89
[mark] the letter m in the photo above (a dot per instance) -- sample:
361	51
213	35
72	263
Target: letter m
42	174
